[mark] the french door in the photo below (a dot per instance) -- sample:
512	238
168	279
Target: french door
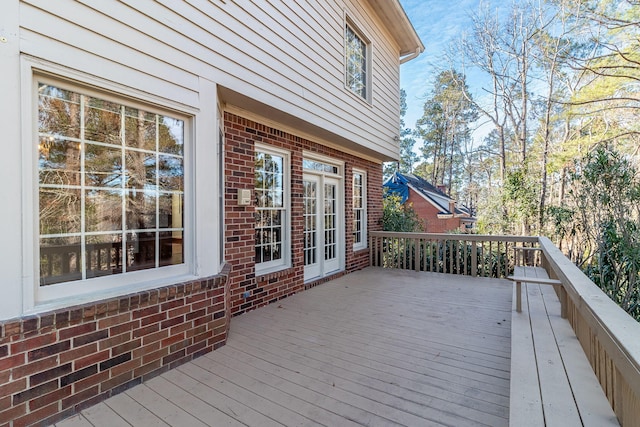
323	245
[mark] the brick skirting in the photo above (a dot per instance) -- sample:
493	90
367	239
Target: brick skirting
54	364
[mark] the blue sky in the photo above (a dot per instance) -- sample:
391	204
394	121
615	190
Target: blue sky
437	23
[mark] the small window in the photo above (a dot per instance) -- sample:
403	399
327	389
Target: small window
272	209
110	187
356	63
359	210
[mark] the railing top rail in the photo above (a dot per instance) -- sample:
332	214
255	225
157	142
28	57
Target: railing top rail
615	329
466	237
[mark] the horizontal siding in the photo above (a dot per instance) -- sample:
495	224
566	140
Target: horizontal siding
285	54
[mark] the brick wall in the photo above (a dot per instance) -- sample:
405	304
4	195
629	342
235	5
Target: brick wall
240	137
55	364
429	214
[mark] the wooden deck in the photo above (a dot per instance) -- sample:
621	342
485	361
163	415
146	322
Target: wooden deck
376	347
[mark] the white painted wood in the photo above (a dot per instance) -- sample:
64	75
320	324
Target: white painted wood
130	410
286	55
591	401
180	407
11	255
103	415
76	421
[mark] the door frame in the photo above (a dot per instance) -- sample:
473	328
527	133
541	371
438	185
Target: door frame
338	176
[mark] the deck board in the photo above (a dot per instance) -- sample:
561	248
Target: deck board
375	347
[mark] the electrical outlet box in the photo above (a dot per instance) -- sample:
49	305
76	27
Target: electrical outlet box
244	197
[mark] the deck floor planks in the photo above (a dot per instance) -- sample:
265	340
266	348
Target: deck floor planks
399	347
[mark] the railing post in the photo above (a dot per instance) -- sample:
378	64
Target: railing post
474	259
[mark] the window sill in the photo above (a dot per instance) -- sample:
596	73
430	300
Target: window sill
262	276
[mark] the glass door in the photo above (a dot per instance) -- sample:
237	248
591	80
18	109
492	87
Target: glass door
322	245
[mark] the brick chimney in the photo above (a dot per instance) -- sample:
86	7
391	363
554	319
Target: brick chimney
442	187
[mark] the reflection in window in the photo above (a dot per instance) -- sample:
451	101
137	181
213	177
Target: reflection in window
355	62
359	211
111	187
271	210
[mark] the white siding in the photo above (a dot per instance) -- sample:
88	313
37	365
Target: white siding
279	59
285	54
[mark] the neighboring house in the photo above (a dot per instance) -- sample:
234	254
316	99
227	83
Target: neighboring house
168	165
438	211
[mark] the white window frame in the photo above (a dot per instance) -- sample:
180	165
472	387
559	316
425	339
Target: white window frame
37	298
285	261
349	24
363	220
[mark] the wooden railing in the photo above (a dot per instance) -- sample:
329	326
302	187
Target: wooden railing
609	337
466	254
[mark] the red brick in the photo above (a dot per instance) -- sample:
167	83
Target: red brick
80	397
13	387
172	340
12	361
124	327
148	311
126	367
157	336
35	342
116	381
78	353
5	403
155	355
49	350
13	413
141	351
55	396
147	368
33	367
180	328
128	346
5	376
91	360
114	341
146	330
75	331
90	381
36	416
153	319
108	322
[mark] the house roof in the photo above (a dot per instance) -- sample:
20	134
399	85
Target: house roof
396	20
398	182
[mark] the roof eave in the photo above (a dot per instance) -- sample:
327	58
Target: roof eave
396	20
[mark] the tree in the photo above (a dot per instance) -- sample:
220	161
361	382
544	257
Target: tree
444	127
399	217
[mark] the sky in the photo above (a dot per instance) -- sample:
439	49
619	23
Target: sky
437	22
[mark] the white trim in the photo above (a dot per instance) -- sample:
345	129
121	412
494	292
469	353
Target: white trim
36	297
233	109
357	29
285	262
365	241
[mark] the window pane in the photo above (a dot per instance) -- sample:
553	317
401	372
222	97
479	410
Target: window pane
103	210
59	210
141	210
141	250
58	112
104	255
59	161
171	173
141	169
84	167
103	166
170	210
171	135
60	260
140	129
102	121
171	248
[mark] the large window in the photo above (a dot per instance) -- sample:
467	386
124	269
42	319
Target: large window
359	210
110	187
272	206
356	62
